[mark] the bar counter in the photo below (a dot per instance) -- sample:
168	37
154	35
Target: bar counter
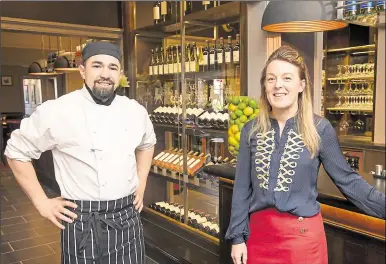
362	236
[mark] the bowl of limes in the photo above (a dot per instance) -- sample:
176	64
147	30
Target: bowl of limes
241	110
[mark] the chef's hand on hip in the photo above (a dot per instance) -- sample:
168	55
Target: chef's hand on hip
55	208
239	253
138	200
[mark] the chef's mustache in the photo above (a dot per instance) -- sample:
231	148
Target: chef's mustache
107	80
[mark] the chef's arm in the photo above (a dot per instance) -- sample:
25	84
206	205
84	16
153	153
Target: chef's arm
144	158
26	143
26	177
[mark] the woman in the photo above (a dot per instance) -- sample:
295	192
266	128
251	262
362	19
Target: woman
275	216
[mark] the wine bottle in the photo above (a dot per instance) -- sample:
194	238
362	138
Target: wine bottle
236	50
188	7
151	64
161	61
220	55
165	15
213	57
205	54
228	53
179	58
206	5
170	60
187	57
155	66
157	12
166	61
193	66
175	60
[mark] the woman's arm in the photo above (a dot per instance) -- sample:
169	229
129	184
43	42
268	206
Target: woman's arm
238	228
351	184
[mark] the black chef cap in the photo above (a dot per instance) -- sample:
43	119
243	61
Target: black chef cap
101	47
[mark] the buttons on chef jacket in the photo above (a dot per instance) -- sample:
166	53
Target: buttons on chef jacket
300	219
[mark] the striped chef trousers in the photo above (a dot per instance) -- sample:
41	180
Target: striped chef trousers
105	232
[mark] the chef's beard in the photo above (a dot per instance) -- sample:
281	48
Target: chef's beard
103	93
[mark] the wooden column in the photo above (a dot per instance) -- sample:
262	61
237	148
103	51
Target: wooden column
128	19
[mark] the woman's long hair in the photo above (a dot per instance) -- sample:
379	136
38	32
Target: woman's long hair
304	120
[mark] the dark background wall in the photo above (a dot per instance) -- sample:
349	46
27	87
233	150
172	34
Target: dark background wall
305	44
92	13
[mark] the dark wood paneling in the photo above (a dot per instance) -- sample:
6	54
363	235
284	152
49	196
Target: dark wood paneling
92	13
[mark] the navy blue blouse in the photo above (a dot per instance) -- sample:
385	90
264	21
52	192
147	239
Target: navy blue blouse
274	171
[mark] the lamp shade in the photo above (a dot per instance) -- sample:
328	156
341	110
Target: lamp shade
63	64
35	68
301	16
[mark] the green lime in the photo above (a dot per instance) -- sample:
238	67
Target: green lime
232	107
241	106
253	116
243	119
237	146
246	100
237	121
253	104
231	148
238	112
231	122
233	116
236	100
256	112
241	126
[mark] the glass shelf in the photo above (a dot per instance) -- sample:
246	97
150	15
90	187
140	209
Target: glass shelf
197	21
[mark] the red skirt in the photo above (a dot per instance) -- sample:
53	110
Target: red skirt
282	238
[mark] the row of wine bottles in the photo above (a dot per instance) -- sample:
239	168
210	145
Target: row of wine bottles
164	11
212	57
172	160
196	219
354	8
197	116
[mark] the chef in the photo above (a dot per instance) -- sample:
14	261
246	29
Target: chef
102	146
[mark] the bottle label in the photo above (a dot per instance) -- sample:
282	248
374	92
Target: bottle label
174	159
161	70
170	157
166	69
219	58
164	156
205	2
171	68
150	70
205	60
156	12
155	70
179	67
164	10
352	7
187	69
175	68
235	56
159	155
228	57
192	66
381	3
177	160
194	164
211	59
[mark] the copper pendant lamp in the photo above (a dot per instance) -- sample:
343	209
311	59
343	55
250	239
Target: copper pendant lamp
301	16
